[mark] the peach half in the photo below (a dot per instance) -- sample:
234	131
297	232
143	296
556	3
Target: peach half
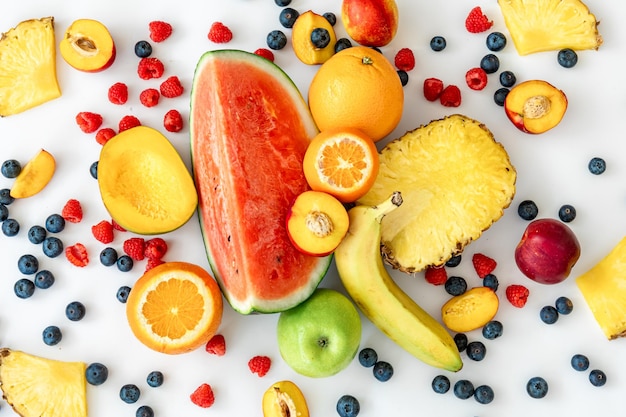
303	46
88	46
316	223
535	106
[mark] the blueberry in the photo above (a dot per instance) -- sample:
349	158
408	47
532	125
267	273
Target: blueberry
499	96
507	79
276	40
463	389
108	256
28	264
75	311
368	357
597	165
484	394
129	393
597	378
96	373
52	335
55	223
155	379
454	261
491	281
331	17
124	263
490	63
438	43
93	170
24	288
567	213
460	339
549	314
455	285
527	210
143	49
11	168
10	227
52	246
5	197
342	43
492	330
122	293
404	77
144	411
580	362
537	387
383	371
320	38
282	3
287	17
564	305
476	351
44	279
348	406
441	384
4	212
496	41
37	234
567	58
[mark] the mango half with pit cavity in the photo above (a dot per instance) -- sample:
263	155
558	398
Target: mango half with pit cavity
144	183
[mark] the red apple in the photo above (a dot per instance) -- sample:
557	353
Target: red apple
547	251
370	22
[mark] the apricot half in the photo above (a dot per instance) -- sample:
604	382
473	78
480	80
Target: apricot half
535	106
283	399
88	46
35	175
303	46
316	223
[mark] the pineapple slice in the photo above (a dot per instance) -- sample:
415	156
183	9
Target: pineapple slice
39	387
550	25
455	179
28	71
604	290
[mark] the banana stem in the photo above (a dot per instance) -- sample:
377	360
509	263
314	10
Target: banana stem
390	204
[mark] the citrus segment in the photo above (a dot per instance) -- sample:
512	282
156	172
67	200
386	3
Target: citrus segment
174	307
341	162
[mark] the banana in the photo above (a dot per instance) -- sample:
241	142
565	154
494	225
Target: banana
382	301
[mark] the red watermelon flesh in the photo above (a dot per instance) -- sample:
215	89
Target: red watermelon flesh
250	128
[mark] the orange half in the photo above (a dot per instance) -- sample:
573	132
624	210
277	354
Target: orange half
175	307
342	162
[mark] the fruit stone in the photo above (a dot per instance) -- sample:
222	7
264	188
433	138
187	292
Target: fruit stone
284	398
303	46
35	175
88	46
535	106
470	310
370	22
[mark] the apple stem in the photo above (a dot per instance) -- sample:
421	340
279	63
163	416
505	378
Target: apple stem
536	107
319	223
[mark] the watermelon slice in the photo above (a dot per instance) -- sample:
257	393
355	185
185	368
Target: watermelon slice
250	128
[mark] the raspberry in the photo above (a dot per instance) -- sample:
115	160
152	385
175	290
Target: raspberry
72	211
159	31
127	122
483	264
265	53
77	255
103	232
517	295
104	135
155	248
118	93
450	96
220	33
152	263
436	275
432	88
477	22
117	226
260	365
134	247
149	68
173	121
203	396
88	122
171	87
216	345
150	97
404	59
476	78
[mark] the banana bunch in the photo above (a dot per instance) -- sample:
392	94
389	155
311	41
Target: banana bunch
382	301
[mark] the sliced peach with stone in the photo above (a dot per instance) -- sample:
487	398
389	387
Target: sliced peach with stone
316	223
303	46
35	175
535	106
88	46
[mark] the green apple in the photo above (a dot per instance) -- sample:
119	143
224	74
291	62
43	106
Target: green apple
320	336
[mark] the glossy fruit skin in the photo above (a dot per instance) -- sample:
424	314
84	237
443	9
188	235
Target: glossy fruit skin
537	387
461	341
108	256
507	79
383	371
143	49
441	384
4	212
580	362
122	294
44	279
36	234
527	210
155	379
368	357
438	43
490	63
124	263
348	406
28	264
476	350
288	16
5	197
496	41
499	96
130	393
567	213
492	330
75	311
96	373
144	411
491	281
484	394
455	285
276	40
370	22
564	305
52	335
10	227
548	315
93	170
342	43
11	168
55	223
320	37
597	378
463	389
597	165
567	58
52	246
24	288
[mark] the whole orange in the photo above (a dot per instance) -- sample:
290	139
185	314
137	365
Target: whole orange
358	88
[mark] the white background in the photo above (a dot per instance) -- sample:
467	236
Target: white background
552	170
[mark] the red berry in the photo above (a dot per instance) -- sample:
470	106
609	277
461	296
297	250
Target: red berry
88	122
135	248
517	295
220	33
483	265
477	22
173	121
149	97
117	226
450	96
149	68
72	211
155	248
404	59
171	87
216	345
265	53
104	135
476	78
127	122
152	263
77	255
203	396
118	93
260	365
103	232
159	31
432	88
436	275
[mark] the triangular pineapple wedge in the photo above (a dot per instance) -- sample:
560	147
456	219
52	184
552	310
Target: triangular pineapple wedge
40	387
28	70
550	25
455	180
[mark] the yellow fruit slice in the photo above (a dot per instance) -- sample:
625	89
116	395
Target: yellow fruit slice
174	307
284	398
35	175
28	71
